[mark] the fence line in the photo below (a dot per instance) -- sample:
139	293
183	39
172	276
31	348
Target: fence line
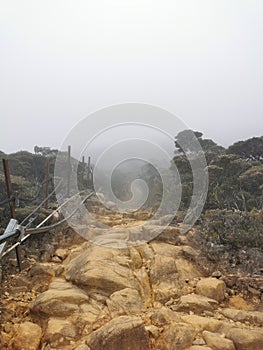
22	231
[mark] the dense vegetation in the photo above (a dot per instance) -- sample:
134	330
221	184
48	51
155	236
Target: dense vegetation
232	214
235	174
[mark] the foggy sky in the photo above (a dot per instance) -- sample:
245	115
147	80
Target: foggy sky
62	60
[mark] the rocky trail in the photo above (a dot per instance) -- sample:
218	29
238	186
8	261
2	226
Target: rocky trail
159	295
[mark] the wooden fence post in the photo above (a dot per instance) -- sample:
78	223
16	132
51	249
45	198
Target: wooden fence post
69	171
12	206
47	183
9	188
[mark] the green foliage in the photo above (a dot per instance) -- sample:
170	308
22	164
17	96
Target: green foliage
235	230
188	141
27	165
235	177
251	149
252	178
154	182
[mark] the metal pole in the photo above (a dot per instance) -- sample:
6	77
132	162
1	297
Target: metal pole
47	184
18	258
69	170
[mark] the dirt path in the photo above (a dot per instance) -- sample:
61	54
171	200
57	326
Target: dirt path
157	295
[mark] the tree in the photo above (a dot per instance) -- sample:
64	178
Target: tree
252	183
190	146
251	149
235	176
226	191
189	141
186	141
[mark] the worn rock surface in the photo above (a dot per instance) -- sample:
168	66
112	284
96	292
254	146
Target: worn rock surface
152	296
61	299
123	332
176	336
253	317
27	336
246	339
195	303
211	288
59	329
217	341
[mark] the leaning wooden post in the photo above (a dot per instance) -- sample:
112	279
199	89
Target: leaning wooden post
89	172
82	170
69	171
11	205
47	183
9	188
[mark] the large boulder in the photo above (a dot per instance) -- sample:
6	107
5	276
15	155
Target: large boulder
42	270
62	299
163	270
41	274
170	272
164	316
195	303
201	323
123	332
97	269
125	302
164	278
253	317
217	342
59	330
211	288
186	270
245	339
27	336
177	336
